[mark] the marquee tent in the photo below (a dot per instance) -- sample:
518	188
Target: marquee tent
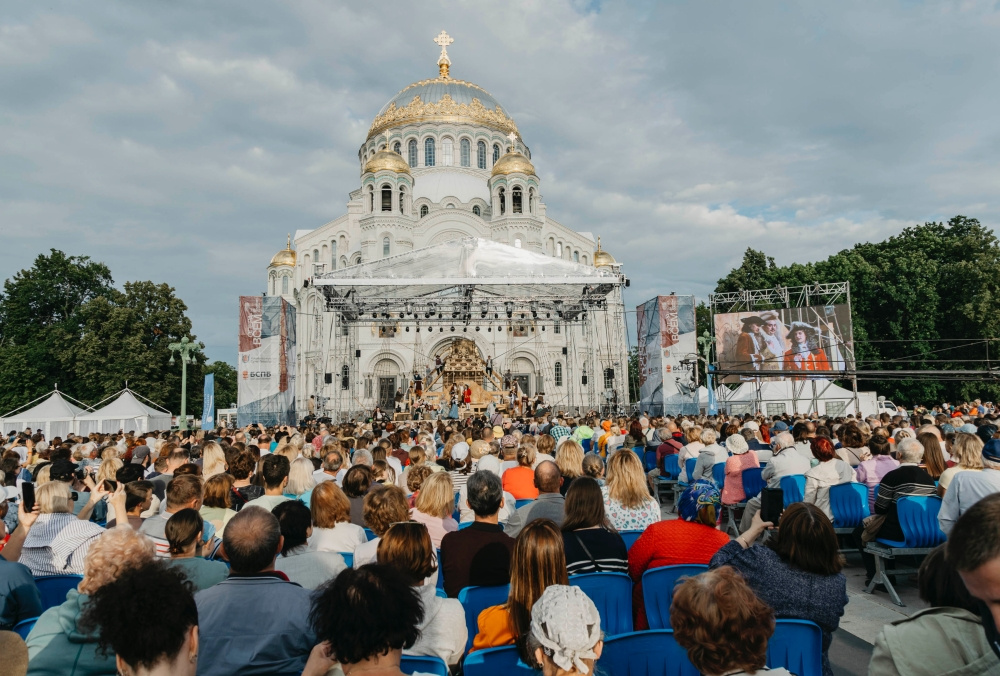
53	414
125	413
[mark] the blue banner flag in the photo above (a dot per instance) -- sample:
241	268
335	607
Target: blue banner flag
208	411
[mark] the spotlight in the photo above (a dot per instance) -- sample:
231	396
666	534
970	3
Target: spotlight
440	316
407	329
548	315
465	329
496	316
453	329
374	315
500	329
441	330
489	329
509	307
543	328
418	329
477	328
522	315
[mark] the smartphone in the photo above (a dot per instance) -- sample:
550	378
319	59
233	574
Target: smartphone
772	504
28	496
110	486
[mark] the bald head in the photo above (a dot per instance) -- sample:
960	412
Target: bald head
251	540
547	477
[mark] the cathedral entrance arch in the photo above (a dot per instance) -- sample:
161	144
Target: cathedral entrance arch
522	371
387	381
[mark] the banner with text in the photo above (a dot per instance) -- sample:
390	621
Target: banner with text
666	329
208	408
266	369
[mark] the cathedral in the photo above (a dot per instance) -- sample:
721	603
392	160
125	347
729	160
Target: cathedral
447	250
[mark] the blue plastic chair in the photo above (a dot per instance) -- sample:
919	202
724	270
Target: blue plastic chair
492	661
370	534
348	558
612	594
849	504
797	645
465	524
658	591
753	483
440	593
24	627
53	588
587	444
630	536
672	467
518	504
719	474
440	580
425	665
645	653
689	467
477	599
649	458
918	517
793	488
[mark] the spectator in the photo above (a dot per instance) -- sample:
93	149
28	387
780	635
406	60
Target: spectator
357	482
520	481
274	469
627	501
383	507
946	638
213	460
301	564
55	542
592	545
480	554
241	467
968	488
548	505
333	467
165	641
175	457
852	449
277	638
434	507
784	462
973	548
693	537
487	463
742	459
138	498
58	644
709	456
331	521
366	617
183	492
569	459
455	459
804	554
691	450
831	471
300	481
967	452
933	457
19	598
183	533
870	472
565	633
406	549
538	561
593	467
216	502
722	625
415	480
508	446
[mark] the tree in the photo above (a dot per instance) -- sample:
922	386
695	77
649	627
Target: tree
226	383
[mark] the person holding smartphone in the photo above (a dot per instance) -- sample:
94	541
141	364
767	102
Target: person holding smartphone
785	461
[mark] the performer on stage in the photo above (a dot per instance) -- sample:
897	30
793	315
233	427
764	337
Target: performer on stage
749	344
453	413
439	364
773	354
805	353
489	366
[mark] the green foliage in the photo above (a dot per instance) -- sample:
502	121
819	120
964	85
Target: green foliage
226	383
930	282
62	321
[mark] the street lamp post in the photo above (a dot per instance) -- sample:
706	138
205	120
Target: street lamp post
186	349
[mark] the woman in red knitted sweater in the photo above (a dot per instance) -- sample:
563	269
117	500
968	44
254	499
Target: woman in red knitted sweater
693	538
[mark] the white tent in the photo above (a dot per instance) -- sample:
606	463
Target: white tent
125	413
774	397
53	414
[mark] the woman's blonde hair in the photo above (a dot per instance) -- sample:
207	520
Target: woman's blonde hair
110	453
569	458
967	451
329	505
300	477
526	454
55	497
437	496
42	477
288	451
113	552
626	480
213	460
538	560
693	433
108	470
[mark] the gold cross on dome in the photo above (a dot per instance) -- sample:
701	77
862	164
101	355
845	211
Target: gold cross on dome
512	137
443	61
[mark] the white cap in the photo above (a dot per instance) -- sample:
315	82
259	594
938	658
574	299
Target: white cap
460	451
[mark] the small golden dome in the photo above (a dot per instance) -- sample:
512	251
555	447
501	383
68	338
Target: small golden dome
513	163
386	159
286	256
603	258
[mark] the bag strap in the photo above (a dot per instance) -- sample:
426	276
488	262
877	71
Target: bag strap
587	552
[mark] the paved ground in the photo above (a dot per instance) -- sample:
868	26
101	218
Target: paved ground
864	616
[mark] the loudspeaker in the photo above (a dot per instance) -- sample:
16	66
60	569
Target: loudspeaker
328	378
584	380
345	383
357	353
565	351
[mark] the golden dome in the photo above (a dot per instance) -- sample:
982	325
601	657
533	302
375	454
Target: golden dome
386	159
286	256
603	258
513	163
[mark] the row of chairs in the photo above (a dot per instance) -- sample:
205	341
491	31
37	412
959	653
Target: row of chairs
52	589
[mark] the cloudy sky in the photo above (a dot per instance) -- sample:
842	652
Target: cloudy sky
180	141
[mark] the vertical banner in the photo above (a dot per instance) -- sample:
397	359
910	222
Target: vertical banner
266	393
666	328
208	408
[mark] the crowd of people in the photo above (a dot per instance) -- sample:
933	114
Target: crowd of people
341	548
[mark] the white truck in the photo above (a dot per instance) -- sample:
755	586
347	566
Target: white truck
870	404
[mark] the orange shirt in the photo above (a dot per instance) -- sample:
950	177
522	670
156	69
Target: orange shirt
520	482
494	629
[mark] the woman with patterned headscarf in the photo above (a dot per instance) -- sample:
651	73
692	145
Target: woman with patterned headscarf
693	538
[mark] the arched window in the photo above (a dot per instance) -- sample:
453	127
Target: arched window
576	256
558	249
466	153
333	255
429	152
315	260
503	201
515	196
559	375
517	242
476	211
385	246
396	148
531	200
402	201
481	155
446	153
284	284
412	152
423	211
496	153
371	198
386	198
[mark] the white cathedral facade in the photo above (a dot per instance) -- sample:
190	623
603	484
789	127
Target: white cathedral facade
444	163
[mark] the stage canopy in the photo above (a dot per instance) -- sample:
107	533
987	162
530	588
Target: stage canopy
774	397
53	414
127	412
